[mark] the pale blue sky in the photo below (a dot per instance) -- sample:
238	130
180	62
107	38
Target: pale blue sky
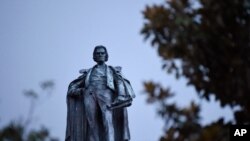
53	39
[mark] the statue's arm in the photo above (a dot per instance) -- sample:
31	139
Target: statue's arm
123	84
123	89
76	87
118	80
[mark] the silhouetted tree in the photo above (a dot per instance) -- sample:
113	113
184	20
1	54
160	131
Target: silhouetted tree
19	131
208	43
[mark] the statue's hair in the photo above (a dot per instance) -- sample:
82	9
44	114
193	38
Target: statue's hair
101	46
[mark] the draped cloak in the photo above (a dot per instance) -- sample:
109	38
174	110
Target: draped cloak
77	128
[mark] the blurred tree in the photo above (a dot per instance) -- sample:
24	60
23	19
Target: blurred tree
19	131
208	43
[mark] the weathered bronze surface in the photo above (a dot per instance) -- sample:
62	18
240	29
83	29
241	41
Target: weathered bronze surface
97	102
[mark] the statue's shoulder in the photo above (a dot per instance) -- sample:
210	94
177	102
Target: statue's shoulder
117	69
84	71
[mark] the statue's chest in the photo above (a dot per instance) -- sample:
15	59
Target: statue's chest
98	74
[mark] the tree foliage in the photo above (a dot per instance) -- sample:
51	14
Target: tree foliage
208	43
15	132
19	131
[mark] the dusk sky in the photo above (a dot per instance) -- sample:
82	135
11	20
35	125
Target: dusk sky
53	39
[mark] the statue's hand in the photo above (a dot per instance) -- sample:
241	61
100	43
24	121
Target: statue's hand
119	99
77	92
120	102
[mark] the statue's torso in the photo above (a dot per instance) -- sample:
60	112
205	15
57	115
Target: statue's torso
98	77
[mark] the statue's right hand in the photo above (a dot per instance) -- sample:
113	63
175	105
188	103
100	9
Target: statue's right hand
76	92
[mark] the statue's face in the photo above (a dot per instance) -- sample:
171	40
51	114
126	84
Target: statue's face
100	55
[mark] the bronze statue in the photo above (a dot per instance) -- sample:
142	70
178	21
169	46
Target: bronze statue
97	101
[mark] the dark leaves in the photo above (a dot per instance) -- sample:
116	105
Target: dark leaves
208	45
47	85
30	94
214	52
19	131
156	92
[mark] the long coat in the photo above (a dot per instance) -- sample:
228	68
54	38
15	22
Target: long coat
77	127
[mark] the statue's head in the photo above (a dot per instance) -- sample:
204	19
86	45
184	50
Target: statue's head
100	54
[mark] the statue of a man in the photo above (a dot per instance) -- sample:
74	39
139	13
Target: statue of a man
97	102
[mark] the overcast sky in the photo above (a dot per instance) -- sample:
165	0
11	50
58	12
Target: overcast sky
53	39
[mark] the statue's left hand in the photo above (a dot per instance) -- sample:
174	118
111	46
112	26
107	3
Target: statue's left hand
119	99
120	102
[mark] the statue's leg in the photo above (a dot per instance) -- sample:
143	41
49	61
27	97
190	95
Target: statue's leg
90	105
104	99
